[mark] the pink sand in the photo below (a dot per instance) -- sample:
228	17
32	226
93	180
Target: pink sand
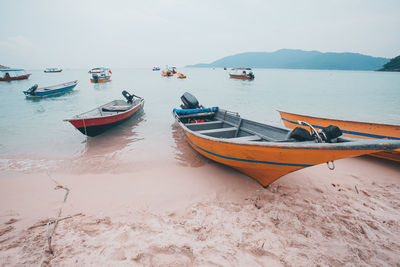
203	213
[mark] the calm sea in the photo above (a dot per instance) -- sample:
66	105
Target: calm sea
35	128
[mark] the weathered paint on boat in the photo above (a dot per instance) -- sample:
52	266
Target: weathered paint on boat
354	129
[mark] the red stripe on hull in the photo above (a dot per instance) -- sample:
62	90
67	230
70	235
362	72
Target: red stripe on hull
22	77
240	77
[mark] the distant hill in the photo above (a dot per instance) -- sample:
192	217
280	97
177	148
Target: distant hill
298	59
392	65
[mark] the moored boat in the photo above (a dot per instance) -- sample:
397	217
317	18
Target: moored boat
100	119
156	68
181	75
35	92
52	70
242	73
100	75
355	129
262	151
13	74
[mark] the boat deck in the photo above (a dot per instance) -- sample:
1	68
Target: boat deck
110	109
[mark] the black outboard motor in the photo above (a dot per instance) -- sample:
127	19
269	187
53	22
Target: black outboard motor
189	101
32	90
128	96
95	78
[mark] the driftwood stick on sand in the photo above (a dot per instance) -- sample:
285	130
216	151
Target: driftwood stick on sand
50	233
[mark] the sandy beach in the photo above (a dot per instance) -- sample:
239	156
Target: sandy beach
202	214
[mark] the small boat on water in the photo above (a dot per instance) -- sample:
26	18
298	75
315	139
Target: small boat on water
52	70
35	92
100	75
181	75
100	119
242	73
156	68
167	73
262	151
355	129
13	74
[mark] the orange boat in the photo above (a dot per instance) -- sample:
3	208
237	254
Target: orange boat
167	73
100	75
261	151
181	75
354	129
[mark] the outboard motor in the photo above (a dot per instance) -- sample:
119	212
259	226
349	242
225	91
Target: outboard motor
251	75
189	101
32	90
128	96
95	78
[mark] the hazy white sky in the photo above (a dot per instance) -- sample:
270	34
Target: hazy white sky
114	33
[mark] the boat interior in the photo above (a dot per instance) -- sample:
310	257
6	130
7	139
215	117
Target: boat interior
229	125
112	108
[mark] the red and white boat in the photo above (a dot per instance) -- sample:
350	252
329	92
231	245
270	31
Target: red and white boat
13	74
242	73
100	119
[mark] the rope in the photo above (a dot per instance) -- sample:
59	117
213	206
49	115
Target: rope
84	126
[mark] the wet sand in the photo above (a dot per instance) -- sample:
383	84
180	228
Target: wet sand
202	213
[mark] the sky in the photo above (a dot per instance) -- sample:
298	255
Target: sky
124	34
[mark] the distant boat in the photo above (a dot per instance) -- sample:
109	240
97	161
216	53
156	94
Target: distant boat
262	151
100	119
156	68
35	92
100	75
353	129
242	73
181	75
51	70
13	74
168	72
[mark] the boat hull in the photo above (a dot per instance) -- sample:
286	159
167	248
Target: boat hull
352	129
100	80
58	91
22	77
264	162
242	77
95	126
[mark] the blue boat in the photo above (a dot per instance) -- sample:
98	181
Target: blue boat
35	92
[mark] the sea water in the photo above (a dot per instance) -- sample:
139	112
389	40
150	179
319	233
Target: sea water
34	129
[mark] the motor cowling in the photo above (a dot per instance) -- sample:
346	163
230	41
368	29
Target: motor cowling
189	101
128	96
32	89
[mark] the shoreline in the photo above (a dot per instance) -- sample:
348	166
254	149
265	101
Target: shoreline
204	213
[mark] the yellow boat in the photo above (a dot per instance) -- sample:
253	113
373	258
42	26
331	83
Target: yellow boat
355	129
261	151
